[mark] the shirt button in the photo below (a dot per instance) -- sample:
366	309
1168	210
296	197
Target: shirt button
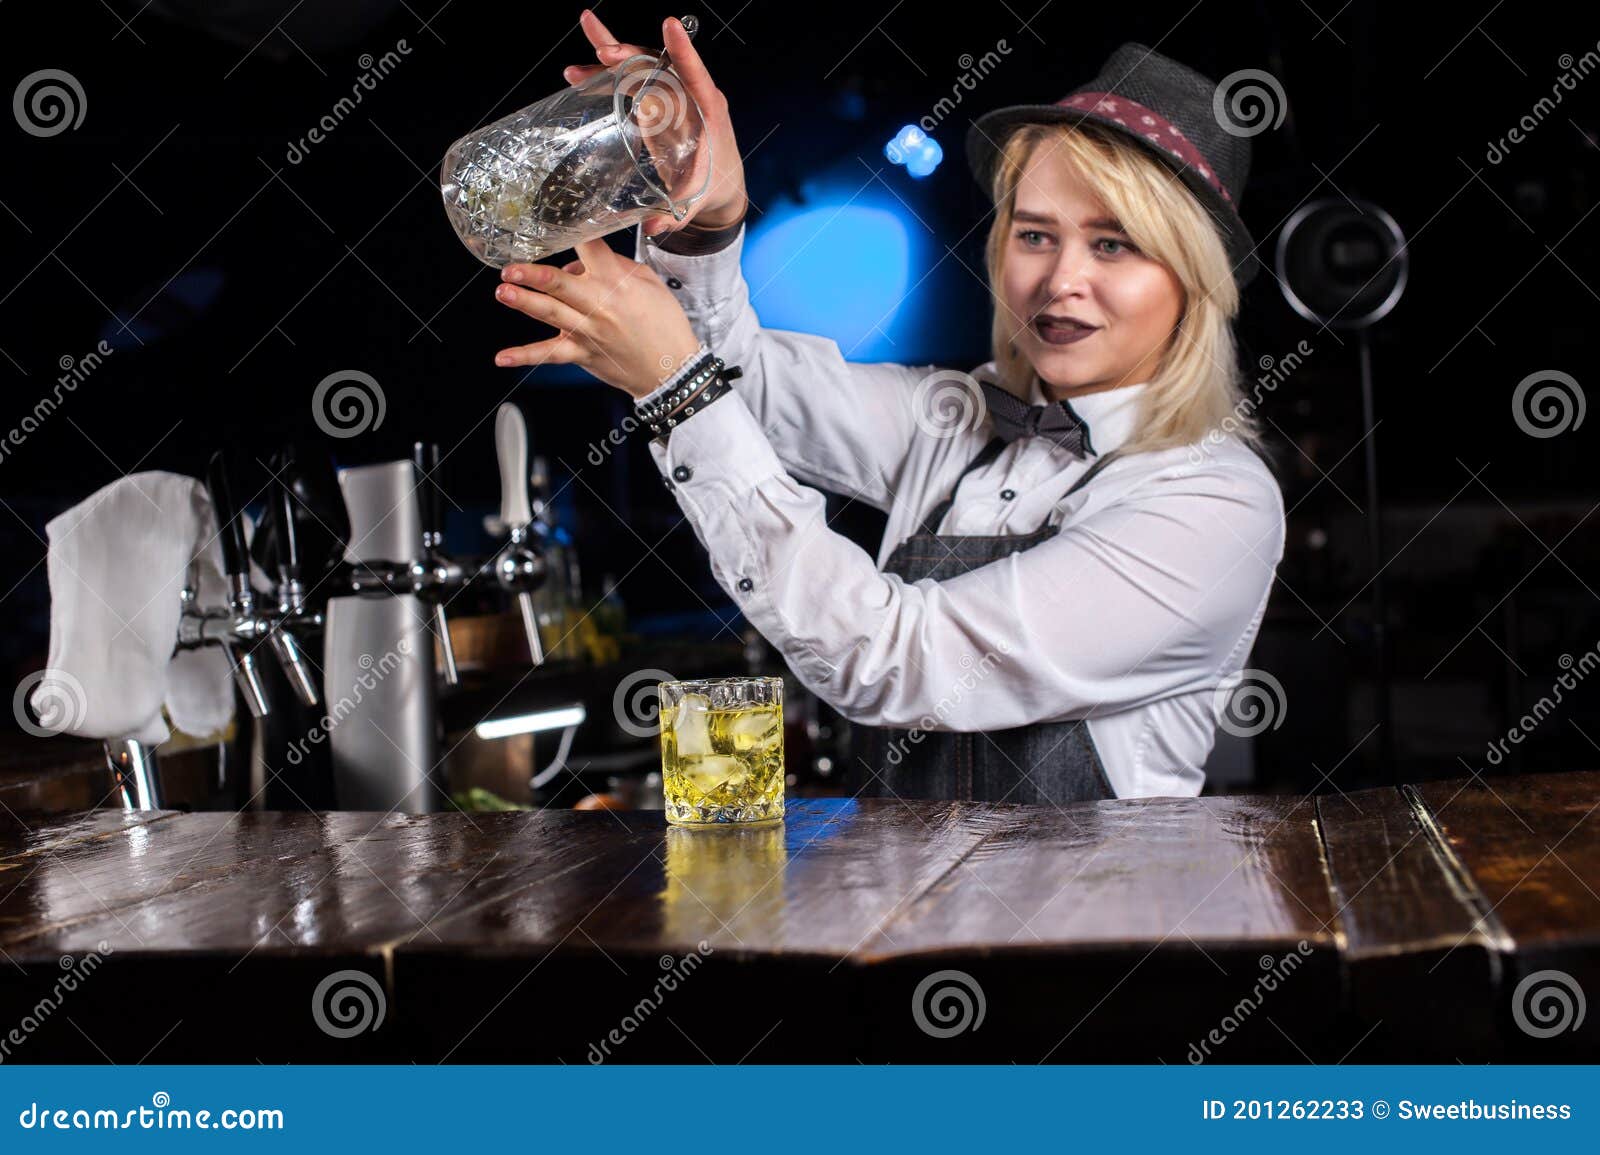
682	473
746	585
667	481
674	283
1007	494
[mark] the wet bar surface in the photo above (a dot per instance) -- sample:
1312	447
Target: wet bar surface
1366	927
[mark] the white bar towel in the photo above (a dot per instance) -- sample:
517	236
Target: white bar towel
117	563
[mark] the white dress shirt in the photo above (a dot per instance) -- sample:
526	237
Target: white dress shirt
1137	616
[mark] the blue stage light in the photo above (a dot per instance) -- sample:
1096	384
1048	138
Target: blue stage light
915	149
839	270
926	159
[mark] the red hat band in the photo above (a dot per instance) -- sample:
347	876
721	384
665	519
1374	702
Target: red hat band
1150	124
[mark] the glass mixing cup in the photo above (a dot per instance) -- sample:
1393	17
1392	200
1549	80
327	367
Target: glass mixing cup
587	161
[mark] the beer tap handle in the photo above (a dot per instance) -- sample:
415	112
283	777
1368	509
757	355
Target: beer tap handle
425	457
286	538
236	563
430	491
511	447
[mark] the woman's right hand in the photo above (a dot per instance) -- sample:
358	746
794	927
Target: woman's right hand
725	199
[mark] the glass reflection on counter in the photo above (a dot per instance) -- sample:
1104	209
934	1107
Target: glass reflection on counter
722	881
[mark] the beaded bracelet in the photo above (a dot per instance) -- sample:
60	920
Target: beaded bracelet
718	386
702	372
699	399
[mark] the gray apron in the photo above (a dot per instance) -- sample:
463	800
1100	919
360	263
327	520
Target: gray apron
1042	763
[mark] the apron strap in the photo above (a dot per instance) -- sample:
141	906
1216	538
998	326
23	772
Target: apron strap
1100	463
930	525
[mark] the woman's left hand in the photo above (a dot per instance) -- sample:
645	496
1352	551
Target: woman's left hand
616	318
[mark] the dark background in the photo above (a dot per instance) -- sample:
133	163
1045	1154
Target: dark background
230	281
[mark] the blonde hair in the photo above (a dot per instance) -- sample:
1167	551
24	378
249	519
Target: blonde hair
1196	388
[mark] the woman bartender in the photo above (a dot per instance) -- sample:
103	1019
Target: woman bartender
1079	552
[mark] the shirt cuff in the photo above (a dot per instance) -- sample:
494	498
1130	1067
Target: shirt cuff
703	284
692	241
724	445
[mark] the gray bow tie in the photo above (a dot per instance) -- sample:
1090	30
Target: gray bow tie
1057	421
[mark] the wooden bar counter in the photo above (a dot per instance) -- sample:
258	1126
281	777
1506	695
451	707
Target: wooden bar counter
1383	925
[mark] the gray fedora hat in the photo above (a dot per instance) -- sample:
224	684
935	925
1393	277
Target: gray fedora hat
1166	108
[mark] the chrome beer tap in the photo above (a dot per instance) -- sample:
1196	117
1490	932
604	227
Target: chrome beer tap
389	598
377	591
241	627
293	615
518	568
135	773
